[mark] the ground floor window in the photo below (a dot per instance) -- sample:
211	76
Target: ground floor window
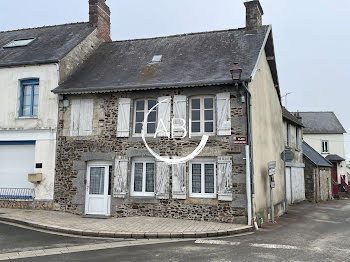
203	179
142	177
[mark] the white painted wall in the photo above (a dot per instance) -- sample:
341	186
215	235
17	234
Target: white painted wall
335	144
41	129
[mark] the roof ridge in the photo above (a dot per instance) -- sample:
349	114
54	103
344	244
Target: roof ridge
46	26
180	35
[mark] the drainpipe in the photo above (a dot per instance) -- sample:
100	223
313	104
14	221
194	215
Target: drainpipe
249	154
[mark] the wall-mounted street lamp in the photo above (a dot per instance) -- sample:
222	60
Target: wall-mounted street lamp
236	73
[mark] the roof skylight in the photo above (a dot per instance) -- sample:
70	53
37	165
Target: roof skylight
19	42
157	59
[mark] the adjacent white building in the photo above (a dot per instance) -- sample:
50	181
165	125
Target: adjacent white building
324	132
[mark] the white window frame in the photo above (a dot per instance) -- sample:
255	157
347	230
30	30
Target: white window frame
203	194
143	161
145	112
297	137
288	138
202	121
327	143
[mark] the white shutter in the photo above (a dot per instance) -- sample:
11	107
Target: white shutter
74	116
86	117
180	109
123	117
223	114
224	175
164	113
120	177
179	181
162	180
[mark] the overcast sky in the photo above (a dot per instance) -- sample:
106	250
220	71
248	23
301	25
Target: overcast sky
311	37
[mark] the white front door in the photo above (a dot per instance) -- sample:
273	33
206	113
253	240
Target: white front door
97	190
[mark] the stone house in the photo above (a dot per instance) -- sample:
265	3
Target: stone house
34	61
324	132
103	166
318	177
294	170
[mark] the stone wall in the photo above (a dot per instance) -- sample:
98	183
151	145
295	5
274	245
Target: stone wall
309	175
18	204
73	153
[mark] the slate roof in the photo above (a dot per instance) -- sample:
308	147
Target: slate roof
195	59
334	157
321	123
51	44
314	156
290	117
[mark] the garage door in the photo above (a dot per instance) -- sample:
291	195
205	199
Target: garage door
16	162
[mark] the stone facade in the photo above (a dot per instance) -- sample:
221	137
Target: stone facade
74	153
19	204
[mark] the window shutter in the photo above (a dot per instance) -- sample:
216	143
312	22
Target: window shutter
123	117
86	117
225	178
180	109
223	114
162	180
164	113
74	116
179	181
120	177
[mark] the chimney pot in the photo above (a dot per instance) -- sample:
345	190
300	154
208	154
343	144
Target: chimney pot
100	17
254	13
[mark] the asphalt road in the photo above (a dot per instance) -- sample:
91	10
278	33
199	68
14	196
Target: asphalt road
308	232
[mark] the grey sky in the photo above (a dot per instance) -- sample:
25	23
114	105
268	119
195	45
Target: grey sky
311	37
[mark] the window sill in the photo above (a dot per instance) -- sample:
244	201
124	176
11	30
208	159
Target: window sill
141	200
209	196
27	117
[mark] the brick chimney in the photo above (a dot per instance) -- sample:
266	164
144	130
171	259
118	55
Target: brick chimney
254	13
100	17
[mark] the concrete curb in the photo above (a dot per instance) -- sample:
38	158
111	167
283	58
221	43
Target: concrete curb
136	235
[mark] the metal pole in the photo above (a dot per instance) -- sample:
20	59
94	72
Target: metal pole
272	206
248	185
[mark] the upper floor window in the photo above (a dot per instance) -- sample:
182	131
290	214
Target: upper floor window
288	142
202	115
29	98
142	177
325	146
297	137
141	109
203	179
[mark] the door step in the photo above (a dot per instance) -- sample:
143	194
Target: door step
96	216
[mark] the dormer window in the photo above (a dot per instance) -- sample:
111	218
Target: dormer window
19	42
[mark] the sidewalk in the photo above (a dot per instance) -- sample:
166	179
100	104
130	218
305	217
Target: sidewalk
128	227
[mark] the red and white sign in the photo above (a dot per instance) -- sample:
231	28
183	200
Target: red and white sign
240	140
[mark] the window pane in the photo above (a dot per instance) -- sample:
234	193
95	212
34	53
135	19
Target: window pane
149	177
196	115
209	127
151	128
208	115
196	103
26	111
196	178
208	103
152	116
196	127
138	128
36	90
139	117
27	90
27	100
151	103
209	178
36	100
97	180
35	110
138	172
140	105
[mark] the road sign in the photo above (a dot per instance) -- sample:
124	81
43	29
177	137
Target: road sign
240	140
287	155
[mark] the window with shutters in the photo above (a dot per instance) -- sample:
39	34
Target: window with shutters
325	146
203	179
143	177
141	109
202	115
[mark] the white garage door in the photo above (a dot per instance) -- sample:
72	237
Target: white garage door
16	162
